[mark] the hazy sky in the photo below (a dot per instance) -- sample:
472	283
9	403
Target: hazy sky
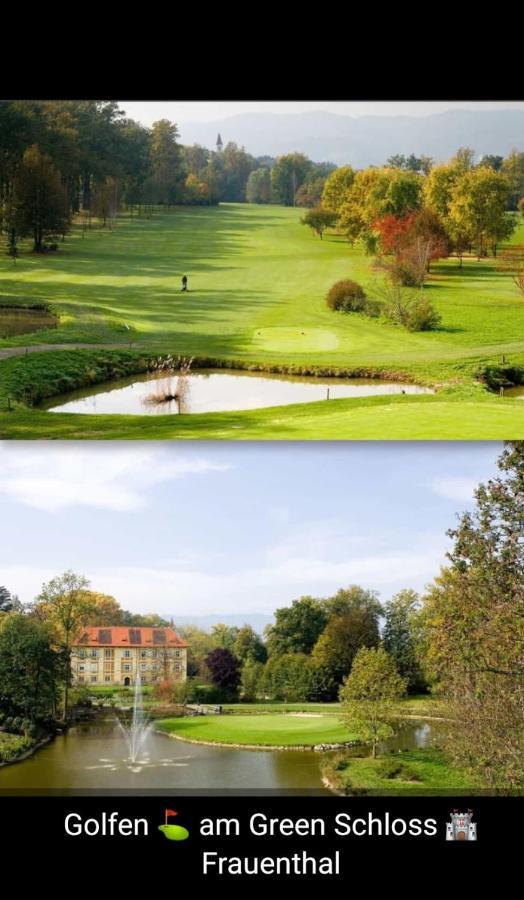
181	111
221	528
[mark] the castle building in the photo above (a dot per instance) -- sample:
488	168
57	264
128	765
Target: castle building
110	655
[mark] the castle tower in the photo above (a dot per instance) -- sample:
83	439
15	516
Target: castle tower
219	143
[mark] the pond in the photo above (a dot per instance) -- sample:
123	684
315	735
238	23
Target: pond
212	390
93	756
15	321
515	392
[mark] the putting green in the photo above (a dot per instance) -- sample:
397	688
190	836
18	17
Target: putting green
268	731
295	340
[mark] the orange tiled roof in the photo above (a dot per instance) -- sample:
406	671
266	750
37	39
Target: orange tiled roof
101	636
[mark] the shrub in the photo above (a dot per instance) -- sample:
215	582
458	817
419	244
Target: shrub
8	723
372	308
423	316
346	295
17	723
169	691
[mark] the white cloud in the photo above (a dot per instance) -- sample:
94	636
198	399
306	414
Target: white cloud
454	487
106	477
183	587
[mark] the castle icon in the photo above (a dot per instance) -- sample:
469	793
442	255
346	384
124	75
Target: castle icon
461	828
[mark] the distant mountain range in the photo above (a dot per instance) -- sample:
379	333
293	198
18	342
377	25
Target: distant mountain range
258	621
364	140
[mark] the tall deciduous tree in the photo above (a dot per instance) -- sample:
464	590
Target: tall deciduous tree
474	627
40	204
288	173
64	603
370	694
353	623
478	207
400	636
337	187
297	627
30	668
166	162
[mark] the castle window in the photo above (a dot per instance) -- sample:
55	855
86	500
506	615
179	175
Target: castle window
127	654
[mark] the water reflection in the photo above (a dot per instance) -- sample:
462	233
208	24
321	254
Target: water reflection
94	755
218	391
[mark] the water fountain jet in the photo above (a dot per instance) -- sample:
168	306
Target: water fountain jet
139	728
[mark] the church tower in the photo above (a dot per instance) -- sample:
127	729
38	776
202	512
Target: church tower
219	143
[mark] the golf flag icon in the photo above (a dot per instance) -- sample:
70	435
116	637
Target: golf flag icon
173	832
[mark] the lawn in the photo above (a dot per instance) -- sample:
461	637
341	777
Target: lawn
257	283
415	772
264	730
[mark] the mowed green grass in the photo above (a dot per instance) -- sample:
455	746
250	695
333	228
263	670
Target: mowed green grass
258	280
265	730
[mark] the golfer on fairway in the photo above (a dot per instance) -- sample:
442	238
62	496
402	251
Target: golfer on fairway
184	282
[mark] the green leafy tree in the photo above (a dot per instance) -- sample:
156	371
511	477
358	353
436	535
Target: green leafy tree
40	204
474	629
166	162
478	207
258	187
297	627
370	694
65	605
30	668
513	169
288	677
200	645
252	680
288	173
249	646
337	187
318	219
104	202
353	616
224	636
6	600
400	636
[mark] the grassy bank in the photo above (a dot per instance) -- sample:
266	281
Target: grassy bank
413	772
13	745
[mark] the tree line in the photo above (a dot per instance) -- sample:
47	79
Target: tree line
60	159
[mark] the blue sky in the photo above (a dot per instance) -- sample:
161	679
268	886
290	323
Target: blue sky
204	528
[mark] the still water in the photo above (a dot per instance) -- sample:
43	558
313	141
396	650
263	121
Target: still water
93	756
24	321
515	392
220	390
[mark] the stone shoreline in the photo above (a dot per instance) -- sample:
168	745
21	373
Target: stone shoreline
317	748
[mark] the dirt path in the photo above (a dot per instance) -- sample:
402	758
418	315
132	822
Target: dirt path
41	348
